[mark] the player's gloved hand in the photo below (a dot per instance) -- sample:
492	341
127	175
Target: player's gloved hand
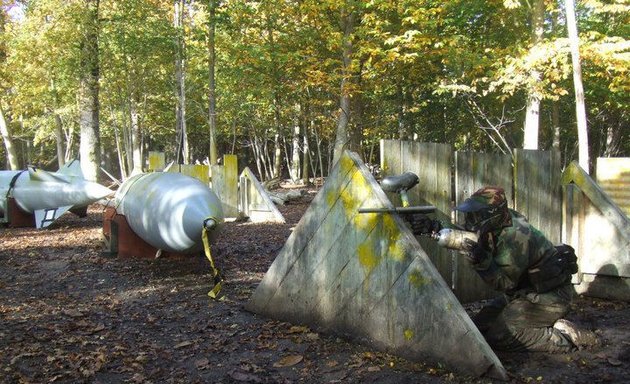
475	251
479	250
421	224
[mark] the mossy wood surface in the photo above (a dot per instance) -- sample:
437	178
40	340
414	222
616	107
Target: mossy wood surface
366	276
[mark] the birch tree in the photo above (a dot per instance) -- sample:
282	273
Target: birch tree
580	108
12	158
4	127
532	110
183	155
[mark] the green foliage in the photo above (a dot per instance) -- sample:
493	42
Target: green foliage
430	70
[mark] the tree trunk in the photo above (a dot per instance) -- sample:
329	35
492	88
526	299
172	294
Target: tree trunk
13	162
59	139
277	156
295	160
88	93
128	140
119	148
580	108
403	133
136	136
342	137
305	160
532	112
212	7
555	121
59	135
254	144
183	156
318	141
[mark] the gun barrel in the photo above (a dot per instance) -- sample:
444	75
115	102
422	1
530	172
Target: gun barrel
415	209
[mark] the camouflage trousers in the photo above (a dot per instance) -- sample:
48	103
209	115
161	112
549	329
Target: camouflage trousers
525	322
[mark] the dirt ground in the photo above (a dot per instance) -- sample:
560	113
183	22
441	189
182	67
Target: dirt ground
70	314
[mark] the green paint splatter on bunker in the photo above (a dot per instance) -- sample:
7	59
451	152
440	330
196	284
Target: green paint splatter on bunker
408	334
417	280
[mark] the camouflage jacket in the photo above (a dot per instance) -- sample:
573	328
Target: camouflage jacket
514	249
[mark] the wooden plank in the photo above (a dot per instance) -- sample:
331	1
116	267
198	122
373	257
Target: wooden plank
474	170
613	176
432	163
391	157
330	249
313	218
537	190
230	188
217	183
198	171
157	161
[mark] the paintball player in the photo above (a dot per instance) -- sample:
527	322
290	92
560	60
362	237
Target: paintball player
533	276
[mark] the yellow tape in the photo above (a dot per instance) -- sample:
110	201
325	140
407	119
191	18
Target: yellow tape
218	279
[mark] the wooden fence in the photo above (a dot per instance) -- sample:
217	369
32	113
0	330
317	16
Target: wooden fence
532	181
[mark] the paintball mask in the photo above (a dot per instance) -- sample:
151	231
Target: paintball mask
486	209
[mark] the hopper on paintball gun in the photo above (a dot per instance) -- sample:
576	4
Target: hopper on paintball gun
400	184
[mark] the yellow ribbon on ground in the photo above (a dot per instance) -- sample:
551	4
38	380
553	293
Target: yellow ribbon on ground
216	274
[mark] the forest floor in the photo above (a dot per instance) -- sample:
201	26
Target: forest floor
70	314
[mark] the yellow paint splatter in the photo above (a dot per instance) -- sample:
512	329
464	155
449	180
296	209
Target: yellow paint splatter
391	231
365	221
346	163
349	202
360	186
417	280
331	197
367	257
408	334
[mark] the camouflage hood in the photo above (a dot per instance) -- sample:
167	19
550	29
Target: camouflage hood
487	204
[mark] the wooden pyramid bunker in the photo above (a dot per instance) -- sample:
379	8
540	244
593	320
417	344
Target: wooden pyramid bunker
364	275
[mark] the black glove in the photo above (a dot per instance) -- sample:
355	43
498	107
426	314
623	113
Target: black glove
477	250
421	224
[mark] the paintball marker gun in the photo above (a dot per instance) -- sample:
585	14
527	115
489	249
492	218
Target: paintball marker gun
400	184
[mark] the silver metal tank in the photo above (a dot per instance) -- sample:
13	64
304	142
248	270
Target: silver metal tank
169	210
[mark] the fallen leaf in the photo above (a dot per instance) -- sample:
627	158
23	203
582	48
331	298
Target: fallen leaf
288	361
202	363
99	327
248	377
183	344
73	313
298	329
614	362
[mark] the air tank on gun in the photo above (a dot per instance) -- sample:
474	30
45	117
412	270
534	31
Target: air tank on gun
454	238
